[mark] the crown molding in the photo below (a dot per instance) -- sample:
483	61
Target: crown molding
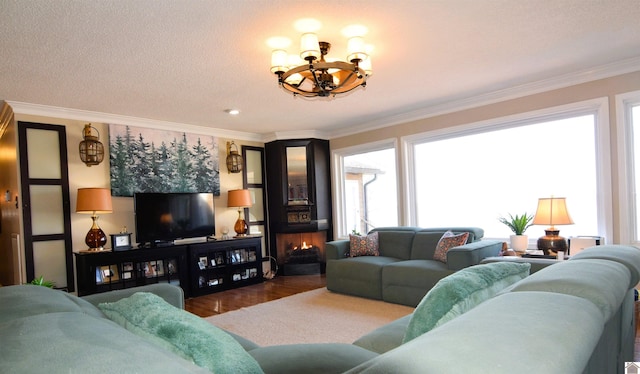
89	116
303	134
459	104
453	105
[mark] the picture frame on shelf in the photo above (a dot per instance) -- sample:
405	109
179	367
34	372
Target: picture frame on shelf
109	273
172	267
121	241
98	276
158	267
149	269
219	259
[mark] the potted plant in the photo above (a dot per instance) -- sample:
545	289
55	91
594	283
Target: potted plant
518	224
41	282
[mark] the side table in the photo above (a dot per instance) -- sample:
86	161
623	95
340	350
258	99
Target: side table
536	263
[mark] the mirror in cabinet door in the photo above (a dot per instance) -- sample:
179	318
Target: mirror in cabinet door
297	177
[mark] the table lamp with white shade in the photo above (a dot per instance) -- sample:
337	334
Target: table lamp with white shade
552	211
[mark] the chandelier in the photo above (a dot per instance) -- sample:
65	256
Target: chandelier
312	74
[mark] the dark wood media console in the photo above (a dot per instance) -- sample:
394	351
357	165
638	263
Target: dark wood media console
236	263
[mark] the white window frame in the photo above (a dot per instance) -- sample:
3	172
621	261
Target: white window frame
627	180
338	185
598	107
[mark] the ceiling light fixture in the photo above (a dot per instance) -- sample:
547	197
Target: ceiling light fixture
310	74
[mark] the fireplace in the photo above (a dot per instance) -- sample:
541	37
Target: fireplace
301	253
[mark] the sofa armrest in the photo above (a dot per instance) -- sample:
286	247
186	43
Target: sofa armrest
472	253
170	293
337	249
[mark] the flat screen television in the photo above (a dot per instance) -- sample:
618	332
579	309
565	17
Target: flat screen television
164	217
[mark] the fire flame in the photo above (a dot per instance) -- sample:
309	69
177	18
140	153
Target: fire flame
304	246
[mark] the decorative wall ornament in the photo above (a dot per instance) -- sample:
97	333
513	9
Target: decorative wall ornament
151	160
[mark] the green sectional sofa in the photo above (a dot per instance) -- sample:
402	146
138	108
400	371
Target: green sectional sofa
405	269
574	316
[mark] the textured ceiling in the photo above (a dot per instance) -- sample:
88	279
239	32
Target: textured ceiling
187	61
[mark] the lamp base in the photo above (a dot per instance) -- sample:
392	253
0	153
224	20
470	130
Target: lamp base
96	238
552	243
240	228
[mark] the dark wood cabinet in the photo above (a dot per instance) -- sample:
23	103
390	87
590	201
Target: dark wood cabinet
222	265
199	269
299	194
106	271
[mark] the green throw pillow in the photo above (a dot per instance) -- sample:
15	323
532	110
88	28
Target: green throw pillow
462	291
181	332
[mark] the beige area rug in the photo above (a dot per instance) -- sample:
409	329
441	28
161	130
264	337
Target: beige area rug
317	316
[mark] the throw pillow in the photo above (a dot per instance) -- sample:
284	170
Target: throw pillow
462	291
181	332
448	241
363	245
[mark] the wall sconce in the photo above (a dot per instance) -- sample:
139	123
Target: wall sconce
234	160
91	150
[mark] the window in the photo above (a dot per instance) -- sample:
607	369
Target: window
367	188
635	124
628	109
475	175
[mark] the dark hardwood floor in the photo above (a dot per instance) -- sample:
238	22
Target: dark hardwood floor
276	288
283	286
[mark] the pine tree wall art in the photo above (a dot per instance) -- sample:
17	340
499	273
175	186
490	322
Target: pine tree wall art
150	160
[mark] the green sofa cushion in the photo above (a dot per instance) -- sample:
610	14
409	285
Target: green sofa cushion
28	300
626	255
386	337
75	342
314	358
183	333
604	283
462	291
522	332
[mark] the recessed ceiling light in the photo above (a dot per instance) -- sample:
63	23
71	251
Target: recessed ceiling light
233	112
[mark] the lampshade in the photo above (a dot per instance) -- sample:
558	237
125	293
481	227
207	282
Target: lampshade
309	47
356	49
92	200
239	199
552	211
